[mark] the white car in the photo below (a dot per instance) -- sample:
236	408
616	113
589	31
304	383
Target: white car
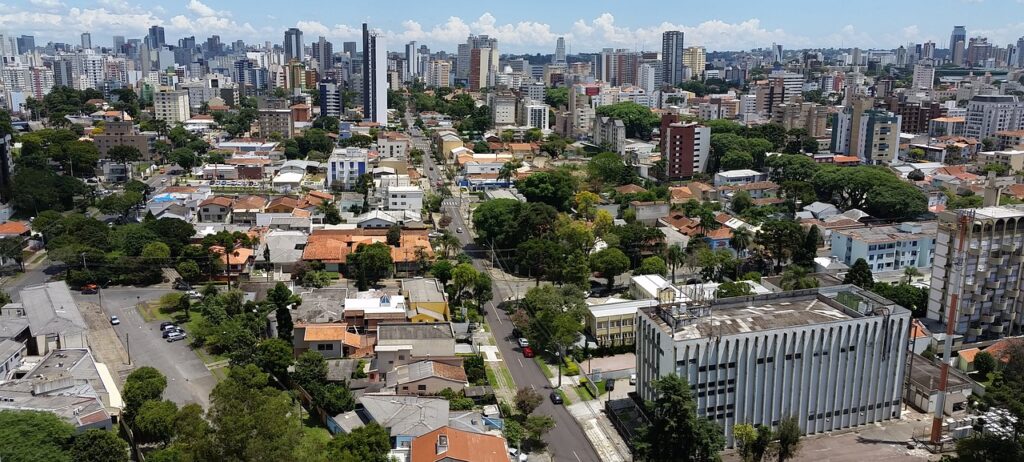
114	320
523	343
194	294
516	455
632	379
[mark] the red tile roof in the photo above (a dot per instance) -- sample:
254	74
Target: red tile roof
13	228
461	446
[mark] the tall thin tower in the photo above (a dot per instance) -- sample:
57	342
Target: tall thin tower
375	85
560	50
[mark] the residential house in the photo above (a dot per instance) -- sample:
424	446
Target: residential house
69	384
245	209
648	213
757	190
46	319
404	416
393	144
285	249
283	204
451	445
332	246
13	230
613	323
238	263
332	340
426	300
426	378
821	210
367	310
216	209
738	177
400	343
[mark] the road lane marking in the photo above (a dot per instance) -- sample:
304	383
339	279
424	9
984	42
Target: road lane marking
577	456
520	361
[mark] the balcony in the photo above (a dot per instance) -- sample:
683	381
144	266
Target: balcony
1000	305
974	251
993	285
1004	271
1016	259
996	328
973	331
1008	247
996	261
1008	316
988	318
968	310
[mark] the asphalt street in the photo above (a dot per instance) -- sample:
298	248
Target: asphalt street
566	442
188	379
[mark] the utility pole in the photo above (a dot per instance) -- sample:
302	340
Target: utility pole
964	222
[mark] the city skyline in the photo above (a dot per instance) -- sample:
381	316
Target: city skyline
530	30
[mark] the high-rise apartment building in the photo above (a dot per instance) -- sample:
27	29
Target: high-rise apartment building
483	67
559	51
833	358
1020	53
924	77
26	43
777	53
959	34
990	304
293	44
867	133
812	117
171	106
275	117
672	52
350	48
331	103
323	52
959	52
86	41
695	58
375	83
439	74
979	51
63	72
620	67
928	50
684	146
782	88
988	114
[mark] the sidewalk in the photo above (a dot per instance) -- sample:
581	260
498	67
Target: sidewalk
591	417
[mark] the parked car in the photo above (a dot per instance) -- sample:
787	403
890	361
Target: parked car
114	321
632	379
177	330
175	336
458	230
523	343
90	289
528	352
194	294
556	397
516	332
180	284
167	326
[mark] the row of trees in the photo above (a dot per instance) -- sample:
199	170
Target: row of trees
30	436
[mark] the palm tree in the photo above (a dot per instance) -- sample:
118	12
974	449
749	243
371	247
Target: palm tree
329	209
910	272
796	278
448	242
674	256
508	169
707	220
741	240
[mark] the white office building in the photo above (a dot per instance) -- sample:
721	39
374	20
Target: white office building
535	115
345	166
832	357
887	248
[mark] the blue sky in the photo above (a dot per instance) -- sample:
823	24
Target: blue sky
528	25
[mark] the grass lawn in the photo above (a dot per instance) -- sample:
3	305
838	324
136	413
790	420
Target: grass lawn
491	378
565	397
544	368
506	375
150	312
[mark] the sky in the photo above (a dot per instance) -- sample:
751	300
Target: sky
529	26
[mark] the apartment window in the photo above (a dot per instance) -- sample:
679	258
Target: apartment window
421	387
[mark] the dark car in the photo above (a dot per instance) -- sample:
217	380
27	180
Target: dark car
556	397
516	332
164	325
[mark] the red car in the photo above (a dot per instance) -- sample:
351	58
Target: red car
527	352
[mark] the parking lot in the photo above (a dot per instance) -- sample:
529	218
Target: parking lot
188	379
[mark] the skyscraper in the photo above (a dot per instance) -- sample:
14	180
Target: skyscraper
560	50
27	43
350	49
672	57
155	37
959	35
119	44
86	41
777	53
292	44
375	85
323	52
331	103
412	61
1020	53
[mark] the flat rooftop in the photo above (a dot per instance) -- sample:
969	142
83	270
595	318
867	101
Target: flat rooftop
740	315
1001	211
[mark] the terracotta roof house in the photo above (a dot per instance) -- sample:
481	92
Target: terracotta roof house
450	445
13	228
216	209
426	378
332	247
283	204
238	262
332	340
629	189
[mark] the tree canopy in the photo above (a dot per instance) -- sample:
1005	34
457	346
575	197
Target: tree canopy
638	119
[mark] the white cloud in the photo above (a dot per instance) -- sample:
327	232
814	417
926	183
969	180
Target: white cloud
200	8
47	3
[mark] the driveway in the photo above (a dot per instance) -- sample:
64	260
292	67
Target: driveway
188	379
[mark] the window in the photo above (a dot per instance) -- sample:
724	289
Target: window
421	387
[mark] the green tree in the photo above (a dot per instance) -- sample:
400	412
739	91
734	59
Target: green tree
797	278
273	356
788	167
333	398
143	384
184	157
676	431
557	316
30	436
741	201
788	438
652	265
189	271
675	256
394	236
527	400
860	275
781	239
805	254
155	422
736	160
610	262
537	425
156	253
97	445
483	289
904	294
370	263
463	277
557	97
442	270
638	119
369	443
554	188
608	168
733	289
120	204
310	369
984	364
745	436
124	154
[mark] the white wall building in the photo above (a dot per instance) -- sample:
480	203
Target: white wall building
988	114
887	248
171	106
345	166
833	358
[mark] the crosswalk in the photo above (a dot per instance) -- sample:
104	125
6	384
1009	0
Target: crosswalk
450	202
